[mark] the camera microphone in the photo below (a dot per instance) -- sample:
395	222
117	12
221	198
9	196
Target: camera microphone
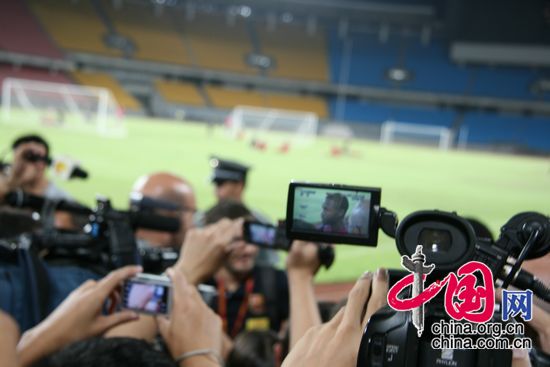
78	172
525	280
67	168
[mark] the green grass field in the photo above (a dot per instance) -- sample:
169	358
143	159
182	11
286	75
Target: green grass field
489	187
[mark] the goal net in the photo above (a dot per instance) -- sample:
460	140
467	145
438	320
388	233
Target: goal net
399	132
90	109
274	126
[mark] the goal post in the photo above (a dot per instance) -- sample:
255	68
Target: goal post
400	132
272	124
68	106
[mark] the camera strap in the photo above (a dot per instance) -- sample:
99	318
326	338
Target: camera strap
243	308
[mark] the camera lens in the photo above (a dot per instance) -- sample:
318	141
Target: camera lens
434	240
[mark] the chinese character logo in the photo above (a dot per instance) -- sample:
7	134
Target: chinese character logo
464	297
517	303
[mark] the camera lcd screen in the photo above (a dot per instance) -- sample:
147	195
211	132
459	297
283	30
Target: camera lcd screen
333	213
146	297
262	234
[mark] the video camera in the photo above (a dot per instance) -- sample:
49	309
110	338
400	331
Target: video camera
275	238
352	215
107	238
448	241
337	214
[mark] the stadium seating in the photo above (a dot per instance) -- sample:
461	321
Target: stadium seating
20	32
297	55
428	63
9	71
73	25
361	111
494	129
179	92
124	99
316	105
228	98
216	45
155	37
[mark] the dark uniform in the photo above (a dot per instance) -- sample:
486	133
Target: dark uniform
226	170
260	303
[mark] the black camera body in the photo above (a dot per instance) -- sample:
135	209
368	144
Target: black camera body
391	340
108	240
448	241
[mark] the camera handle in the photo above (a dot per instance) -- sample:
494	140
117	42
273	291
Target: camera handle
387	221
525	251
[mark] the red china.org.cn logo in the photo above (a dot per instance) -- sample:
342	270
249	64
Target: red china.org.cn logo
469	296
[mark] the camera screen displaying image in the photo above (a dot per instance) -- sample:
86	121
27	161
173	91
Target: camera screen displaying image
147	294
265	235
262	234
333	213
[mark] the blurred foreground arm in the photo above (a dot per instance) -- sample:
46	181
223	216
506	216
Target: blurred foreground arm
78	317
302	264
201	256
336	343
9	335
192	328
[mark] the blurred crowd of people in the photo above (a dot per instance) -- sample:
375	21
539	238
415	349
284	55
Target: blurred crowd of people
258	316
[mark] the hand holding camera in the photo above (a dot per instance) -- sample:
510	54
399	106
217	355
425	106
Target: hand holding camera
78	317
203	249
336	342
192	326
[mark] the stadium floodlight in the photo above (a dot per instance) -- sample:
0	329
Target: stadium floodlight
394	132
273	125
31	102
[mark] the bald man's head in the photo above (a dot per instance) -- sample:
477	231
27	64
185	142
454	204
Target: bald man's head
167	187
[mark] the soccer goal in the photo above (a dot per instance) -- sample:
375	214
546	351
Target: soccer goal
31	102
399	132
272	125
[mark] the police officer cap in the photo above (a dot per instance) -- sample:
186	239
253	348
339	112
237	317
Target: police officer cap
226	170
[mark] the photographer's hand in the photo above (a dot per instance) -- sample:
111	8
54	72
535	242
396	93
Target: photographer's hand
78	317
192	325
204	249
302	264
9	336
303	258
336	343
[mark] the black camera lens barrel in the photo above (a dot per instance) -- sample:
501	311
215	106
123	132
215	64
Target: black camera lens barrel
20	199
154	222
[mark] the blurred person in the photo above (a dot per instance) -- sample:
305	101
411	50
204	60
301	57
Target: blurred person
202	254
192	332
173	189
333	215
256	349
250	297
110	352
229	178
358	221
31	158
